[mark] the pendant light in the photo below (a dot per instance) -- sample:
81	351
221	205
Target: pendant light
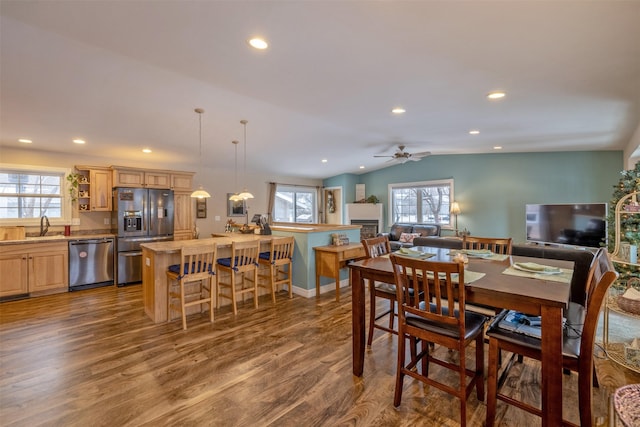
245	193
200	193
235	197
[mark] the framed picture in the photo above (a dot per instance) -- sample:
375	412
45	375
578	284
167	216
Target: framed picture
201	208
234	208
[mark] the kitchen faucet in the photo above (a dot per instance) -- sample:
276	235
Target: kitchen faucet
44	225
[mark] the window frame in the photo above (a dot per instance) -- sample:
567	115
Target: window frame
282	188
415	185
65	202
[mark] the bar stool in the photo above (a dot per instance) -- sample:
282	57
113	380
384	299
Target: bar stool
278	263
196	266
242	262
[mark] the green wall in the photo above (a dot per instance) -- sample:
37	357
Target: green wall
492	189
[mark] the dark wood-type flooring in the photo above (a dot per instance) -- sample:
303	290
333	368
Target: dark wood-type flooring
92	358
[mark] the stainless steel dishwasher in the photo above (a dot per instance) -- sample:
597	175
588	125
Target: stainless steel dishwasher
90	263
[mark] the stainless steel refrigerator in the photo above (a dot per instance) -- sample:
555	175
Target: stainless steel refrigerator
139	215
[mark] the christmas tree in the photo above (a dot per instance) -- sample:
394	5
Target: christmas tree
629	221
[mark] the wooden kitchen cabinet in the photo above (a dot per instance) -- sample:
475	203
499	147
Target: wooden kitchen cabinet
182	209
34	268
94	192
182	181
155	179
100	189
127	177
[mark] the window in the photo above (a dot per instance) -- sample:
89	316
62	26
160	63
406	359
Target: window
27	194
295	204
418	202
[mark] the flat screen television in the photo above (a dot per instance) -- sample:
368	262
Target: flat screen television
574	224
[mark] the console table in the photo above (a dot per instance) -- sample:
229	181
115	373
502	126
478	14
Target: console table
331	258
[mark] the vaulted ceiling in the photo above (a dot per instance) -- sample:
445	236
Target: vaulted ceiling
127	75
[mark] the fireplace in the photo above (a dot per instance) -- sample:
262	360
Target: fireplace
369	227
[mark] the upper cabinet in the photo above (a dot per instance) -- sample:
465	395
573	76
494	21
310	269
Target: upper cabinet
131	177
94	189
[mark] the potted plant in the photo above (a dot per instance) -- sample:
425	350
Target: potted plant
73	180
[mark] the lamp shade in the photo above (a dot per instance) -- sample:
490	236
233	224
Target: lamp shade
245	195
200	193
455	208
235	197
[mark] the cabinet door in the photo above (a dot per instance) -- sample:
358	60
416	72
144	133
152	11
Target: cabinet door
14	274
181	182
128	178
101	190
183	222
48	271
157	179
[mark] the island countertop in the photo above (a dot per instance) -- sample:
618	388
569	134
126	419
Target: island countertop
174	246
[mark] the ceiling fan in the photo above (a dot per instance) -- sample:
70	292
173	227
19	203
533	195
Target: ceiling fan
402	156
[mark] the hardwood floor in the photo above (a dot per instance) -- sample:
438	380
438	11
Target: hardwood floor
93	358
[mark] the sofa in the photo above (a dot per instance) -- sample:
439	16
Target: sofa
402	234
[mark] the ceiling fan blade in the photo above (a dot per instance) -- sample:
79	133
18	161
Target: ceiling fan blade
421	154
384	156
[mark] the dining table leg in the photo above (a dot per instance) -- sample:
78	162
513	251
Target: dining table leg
551	366
357	321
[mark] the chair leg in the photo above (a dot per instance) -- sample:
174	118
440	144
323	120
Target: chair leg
372	312
273	275
492	382
397	397
290	279
255	288
182	310
232	279
462	385
480	367
211	298
584	397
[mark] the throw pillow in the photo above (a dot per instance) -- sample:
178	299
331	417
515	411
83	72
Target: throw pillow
408	237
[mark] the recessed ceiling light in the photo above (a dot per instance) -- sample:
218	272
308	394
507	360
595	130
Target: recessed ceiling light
362	167
258	43
146	150
474	132
25	141
324	160
496	94
398	110
497	147
78	141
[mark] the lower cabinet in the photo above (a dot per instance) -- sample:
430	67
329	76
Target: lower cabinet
34	268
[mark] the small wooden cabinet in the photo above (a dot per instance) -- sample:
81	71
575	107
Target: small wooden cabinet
183	217
34	268
94	189
150	178
331	258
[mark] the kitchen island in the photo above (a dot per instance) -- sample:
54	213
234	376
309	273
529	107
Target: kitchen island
158	256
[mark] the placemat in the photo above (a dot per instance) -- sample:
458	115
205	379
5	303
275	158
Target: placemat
563	277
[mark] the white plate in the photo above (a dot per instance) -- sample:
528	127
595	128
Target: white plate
550	272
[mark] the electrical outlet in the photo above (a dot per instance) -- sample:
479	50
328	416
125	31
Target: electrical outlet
107	221
75	221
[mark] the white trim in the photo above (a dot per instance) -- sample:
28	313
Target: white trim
430	183
66	205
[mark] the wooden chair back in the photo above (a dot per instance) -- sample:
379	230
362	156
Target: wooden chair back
429	290
198	262
498	245
244	255
376	246
281	250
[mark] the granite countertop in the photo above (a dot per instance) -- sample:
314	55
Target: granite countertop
55	238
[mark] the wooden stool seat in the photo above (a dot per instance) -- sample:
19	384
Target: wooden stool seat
278	262
241	267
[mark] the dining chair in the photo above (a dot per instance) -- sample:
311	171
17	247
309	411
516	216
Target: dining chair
428	293
374	247
240	268
578	342
496	245
278	263
197	266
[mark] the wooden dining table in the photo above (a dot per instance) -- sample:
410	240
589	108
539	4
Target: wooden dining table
535	295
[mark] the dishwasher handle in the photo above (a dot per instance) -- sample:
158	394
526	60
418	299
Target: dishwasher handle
90	242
